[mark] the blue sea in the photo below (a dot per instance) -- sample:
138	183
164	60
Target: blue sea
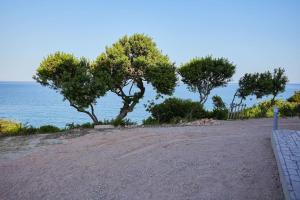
29	102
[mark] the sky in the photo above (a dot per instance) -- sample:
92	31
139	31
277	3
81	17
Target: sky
256	35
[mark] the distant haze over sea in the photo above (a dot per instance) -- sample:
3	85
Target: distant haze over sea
28	102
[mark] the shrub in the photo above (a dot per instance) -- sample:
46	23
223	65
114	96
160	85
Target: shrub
84	125
28	130
150	121
221	114
87	125
122	122
218	102
264	109
48	129
220	111
173	110
297	110
287	109
8	127
295	98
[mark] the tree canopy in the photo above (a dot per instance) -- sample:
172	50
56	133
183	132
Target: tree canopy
132	62
75	79
262	84
205	74
279	81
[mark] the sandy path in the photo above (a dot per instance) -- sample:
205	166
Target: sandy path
229	161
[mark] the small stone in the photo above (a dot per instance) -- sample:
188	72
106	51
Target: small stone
103	126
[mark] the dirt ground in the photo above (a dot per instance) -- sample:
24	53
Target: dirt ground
233	160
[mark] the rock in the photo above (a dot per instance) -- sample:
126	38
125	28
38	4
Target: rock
201	122
103	126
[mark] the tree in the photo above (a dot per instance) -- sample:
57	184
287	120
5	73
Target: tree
261	84
132	61
75	79
218	102
205	74
257	84
279	80
219	111
247	85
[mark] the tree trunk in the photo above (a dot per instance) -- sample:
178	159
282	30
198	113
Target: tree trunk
273	100
203	99
125	110
130	102
203	93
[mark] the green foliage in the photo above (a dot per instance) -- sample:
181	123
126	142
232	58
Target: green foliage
132	61
75	79
205	74
297	110
85	125
28	130
262	84
295	98
11	128
150	121
248	85
279	80
122	122
288	110
172	110
221	114
163	78
265	109
114	122
48	129
220	111
218	102
257	84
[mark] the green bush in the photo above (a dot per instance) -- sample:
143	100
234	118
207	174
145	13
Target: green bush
48	129
150	121
295	98
264	109
220	111
85	125
28	130
287	110
122	122
297	110
114	122
218	102
221	114
173	110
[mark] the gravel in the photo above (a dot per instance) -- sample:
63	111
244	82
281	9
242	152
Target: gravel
229	160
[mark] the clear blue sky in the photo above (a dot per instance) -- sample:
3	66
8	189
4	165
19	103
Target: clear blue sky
256	35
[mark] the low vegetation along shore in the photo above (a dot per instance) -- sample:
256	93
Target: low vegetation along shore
171	111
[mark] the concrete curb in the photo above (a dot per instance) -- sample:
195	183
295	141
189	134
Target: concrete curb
285	163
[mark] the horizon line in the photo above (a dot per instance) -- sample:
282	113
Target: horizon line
36	82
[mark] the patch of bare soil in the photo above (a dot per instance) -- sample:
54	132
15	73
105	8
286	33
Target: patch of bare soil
231	160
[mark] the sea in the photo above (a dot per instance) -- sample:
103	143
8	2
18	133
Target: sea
36	105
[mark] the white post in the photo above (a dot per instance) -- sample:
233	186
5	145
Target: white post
275	122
